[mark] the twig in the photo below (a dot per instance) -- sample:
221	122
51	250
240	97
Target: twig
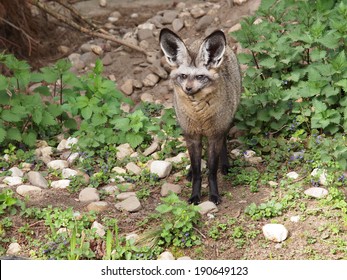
203	236
83	29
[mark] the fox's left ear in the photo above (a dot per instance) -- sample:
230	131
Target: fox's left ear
212	50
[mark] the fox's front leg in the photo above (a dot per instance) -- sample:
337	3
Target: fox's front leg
194	145
215	147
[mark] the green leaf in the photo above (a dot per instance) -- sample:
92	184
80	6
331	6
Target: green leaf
37	116
14	134
87	112
122	124
48	119
268	63
9	116
99	119
43	90
2	134
134	139
70	124
54	109
330	40
3	83
29	138
319	106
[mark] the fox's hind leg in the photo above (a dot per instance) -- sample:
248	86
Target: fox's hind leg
223	158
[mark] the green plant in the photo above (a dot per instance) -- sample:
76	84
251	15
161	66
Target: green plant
296	73
8	203
178	220
216	231
264	210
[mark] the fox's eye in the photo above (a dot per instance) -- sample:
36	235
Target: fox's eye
200	77
183	76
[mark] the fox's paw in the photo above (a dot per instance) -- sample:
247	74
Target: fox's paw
225	169
194	199
215	199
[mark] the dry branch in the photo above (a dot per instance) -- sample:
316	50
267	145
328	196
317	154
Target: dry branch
101	33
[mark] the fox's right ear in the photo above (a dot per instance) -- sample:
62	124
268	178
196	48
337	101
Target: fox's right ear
173	48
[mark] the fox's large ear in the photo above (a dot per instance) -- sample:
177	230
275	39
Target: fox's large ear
212	50
173	48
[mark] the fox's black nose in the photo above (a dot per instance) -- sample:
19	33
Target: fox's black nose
189	89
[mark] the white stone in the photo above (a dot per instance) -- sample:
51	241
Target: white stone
161	168
97	206
16	172
68	172
147	25
127	87
184	258
272	184
275	232
292	175
72	158
60	184
316	192
119	170
177	24
110	189
13	181
102	3
321	174
235	152
295	219
249	153
131	204
36	179
71	141
150	80
25	190
100	229
58	164
234	28
151	149
254	160
168	187
123	151
165	256
13	249
147	97
89	195
132	236
125	195
240	2
62	145
177	159
133	168
207	207
46	151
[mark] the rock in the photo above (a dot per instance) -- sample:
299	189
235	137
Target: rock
151	149
127	87
112	19
107	60
133	168
321	174
184	258
177	24
62	145
235	153
158	70
46	151
110	189
27	190
13	180
60	184
72	158
167	188
58	164
125	195
97	50
70	142
204	22
123	151
146	25
292	175
177	159
134	15
116	14
63	49
272	184
197	12
249	153
119	170
165	256
254	160
316	192
26	166
36	179
150	80
239	2
16	172
161	168
152	57
86	47
99	228
89	58
207	207
132	236
131	204
275	232
98	206
144	34
68	172
295	219
13	249
234	28
102	3
89	195
147	97
169	16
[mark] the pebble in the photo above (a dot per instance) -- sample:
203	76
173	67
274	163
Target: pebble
110	189
27	190
127	87
131	204
36	179
115	14
144	34
147	97
89	195
204	22
123	151
150	80
321	174
249	153
292	175
151	149
235	153
60	184
68	172
13	180
133	168
254	160
99	228
13	249
146	25
239	2
107	60
125	195
132	236
46	151
58	164
119	170
275	232
177	24
166	256
177	159
167	188
169	16
70	142
316	192
16	172
234	28
161	168
102	3
97	206
62	145
184	258
158	70
207	207
295	219
197	12
89	58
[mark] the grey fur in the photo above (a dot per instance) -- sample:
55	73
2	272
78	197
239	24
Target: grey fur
205	105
